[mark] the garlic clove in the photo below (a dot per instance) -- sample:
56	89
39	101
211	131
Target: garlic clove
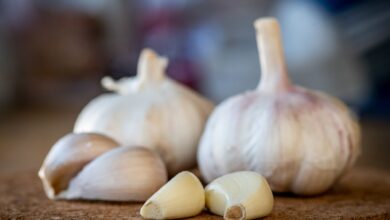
145	110
183	196
240	195
122	174
68	156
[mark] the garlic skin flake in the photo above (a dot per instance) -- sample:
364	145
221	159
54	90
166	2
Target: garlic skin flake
300	140
68	156
183	196
122	174
240	195
150	110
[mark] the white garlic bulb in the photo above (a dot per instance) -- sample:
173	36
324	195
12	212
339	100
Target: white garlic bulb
300	140
150	110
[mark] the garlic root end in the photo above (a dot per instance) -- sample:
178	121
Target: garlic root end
235	212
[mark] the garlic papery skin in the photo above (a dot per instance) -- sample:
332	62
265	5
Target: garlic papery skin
300	140
183	196
150	110
122	174
68	156
240	195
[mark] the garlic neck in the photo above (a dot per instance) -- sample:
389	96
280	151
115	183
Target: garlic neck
273	67
151	67
151	70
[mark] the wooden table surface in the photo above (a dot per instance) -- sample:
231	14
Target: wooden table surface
361	194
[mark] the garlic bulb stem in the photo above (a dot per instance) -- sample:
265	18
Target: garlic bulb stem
151	69
273	66
151	66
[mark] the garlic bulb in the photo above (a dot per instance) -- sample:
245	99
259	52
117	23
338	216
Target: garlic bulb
150	110
240	195
300	140
91	166
183	196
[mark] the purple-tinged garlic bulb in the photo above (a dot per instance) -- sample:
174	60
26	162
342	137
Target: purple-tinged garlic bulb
300	140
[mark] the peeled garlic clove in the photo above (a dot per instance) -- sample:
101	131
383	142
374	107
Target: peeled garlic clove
150	110
240	195
183	196
68	156
300	140
122	174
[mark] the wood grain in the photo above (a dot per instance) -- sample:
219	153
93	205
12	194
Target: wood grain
361	194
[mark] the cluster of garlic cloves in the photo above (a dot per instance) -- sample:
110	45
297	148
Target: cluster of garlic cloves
300	140
94	167
150	110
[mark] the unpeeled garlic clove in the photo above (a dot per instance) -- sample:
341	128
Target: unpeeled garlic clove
68	156
122	174
183	196
240	195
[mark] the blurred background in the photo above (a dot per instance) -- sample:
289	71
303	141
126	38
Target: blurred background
53	54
